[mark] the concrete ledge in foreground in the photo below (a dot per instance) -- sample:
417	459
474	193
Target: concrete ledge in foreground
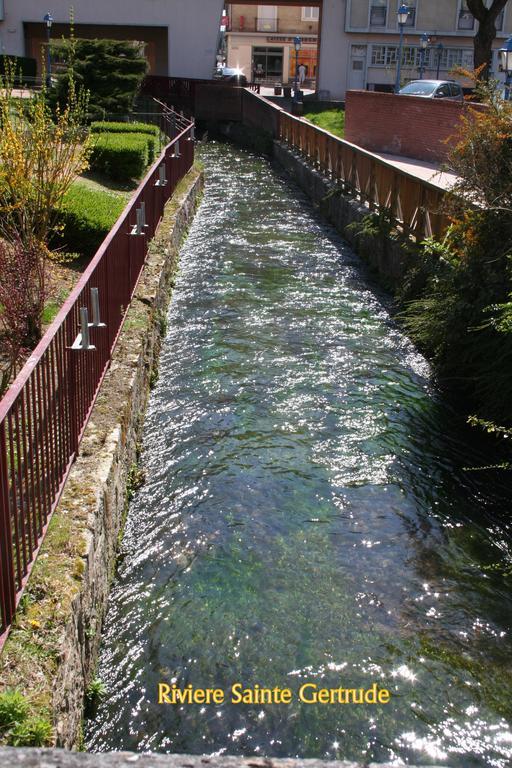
21	757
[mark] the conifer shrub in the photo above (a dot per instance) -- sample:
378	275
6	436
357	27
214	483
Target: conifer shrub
111	71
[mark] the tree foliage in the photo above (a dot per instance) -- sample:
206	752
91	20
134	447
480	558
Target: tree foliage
486	15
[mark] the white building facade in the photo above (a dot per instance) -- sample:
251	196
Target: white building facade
181	35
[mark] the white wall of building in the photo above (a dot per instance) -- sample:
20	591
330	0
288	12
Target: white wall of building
334	49
193	25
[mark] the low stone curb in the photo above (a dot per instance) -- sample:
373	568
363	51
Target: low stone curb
58	758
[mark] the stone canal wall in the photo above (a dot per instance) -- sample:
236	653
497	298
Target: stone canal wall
51	653
386	256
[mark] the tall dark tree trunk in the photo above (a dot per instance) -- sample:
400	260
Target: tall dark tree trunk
486	33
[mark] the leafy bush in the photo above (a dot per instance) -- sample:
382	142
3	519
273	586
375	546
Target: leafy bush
34	732
332	120
96	691
152	143
24	288
13	708
17	727
121	156
461	315
87	216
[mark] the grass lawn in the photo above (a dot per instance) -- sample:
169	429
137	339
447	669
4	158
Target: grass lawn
332	120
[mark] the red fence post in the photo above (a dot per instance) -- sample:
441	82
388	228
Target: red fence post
7	582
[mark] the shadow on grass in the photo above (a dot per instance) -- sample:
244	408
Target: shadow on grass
99	180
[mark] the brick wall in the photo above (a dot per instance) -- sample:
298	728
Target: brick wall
423	129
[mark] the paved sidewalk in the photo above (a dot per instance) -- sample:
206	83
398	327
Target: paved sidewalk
428	171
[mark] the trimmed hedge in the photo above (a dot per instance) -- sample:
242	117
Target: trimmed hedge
148	130
87	216
107	127
122	156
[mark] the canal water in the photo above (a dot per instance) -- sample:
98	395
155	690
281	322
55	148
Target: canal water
311	513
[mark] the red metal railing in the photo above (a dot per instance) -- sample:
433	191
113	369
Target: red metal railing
44	413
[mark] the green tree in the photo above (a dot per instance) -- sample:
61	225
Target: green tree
486	14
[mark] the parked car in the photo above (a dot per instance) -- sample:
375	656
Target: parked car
433	89
231	75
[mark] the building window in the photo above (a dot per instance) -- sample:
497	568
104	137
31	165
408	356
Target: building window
386	56
456	57
378	13
310	13
268	62
267	18
378	55
411	18
466	19
410	56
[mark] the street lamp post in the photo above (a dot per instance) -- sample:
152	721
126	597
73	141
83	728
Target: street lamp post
423	50
505	55
403	13
440	49
48	19
297	42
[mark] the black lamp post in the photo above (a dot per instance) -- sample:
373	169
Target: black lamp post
505	55
440	49
403	13
297	42
48	20
423	50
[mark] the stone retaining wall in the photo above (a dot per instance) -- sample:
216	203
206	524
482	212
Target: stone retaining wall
51	653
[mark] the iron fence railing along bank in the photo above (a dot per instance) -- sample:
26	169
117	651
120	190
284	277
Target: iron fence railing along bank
44	413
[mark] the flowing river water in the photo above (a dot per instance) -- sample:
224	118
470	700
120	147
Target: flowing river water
310	512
